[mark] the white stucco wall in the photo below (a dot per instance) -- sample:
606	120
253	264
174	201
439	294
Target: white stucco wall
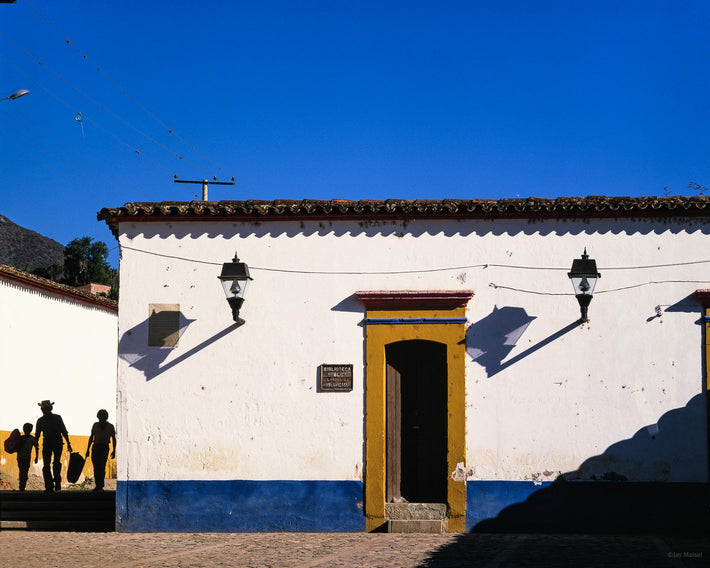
54	347
242	403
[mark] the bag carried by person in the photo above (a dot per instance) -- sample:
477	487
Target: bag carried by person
12	443
76	466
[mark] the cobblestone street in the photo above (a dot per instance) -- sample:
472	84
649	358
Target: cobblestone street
23	549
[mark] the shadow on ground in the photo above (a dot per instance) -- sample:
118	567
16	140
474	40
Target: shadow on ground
552	551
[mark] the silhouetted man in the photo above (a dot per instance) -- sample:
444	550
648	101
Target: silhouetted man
52	426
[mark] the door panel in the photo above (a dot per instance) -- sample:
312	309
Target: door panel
394	435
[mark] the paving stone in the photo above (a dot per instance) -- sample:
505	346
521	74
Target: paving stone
34	549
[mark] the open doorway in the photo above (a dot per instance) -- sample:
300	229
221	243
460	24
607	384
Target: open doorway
416	422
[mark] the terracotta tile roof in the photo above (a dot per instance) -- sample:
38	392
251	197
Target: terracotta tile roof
530	207
10	273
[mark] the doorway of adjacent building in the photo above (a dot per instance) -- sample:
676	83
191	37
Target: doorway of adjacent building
416	422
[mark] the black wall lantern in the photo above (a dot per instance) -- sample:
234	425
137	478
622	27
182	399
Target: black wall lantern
234	278
584	278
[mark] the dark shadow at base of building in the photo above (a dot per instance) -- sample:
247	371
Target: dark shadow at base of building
605	507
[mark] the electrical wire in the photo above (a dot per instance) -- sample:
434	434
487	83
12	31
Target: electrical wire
421	271
102	107
133	99
597	292
123	142
535	292
650	283
97	179
322	272
73	149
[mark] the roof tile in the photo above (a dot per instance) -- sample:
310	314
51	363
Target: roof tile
528	207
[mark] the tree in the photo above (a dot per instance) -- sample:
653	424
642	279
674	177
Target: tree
697	188
52	272
86	261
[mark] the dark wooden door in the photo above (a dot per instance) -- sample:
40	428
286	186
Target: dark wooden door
394	435
416	421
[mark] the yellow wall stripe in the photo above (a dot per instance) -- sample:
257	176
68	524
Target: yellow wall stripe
8	462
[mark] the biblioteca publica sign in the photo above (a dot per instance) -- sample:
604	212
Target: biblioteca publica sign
336	378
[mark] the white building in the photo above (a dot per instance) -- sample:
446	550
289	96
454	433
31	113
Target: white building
449	331
56	343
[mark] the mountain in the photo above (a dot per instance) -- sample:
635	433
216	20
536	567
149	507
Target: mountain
27	250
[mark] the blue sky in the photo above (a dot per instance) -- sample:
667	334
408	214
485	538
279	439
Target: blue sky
354	100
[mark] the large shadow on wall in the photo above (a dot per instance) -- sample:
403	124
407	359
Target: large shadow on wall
602	496
597	498
147	346
635	486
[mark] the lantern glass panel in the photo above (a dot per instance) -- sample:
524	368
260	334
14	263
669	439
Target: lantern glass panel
584	284
234	287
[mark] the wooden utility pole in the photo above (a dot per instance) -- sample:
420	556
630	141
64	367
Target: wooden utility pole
204	183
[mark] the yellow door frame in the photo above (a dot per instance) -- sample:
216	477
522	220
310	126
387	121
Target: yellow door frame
704	297
438	316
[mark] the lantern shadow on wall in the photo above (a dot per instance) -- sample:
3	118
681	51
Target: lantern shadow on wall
148	345
489	341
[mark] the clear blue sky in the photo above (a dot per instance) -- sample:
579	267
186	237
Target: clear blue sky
356	100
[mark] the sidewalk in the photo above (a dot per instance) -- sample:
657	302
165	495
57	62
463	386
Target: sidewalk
22	549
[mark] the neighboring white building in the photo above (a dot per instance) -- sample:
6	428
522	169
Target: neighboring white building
474	384
56	343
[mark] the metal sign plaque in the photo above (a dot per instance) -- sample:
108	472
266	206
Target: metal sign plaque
336	378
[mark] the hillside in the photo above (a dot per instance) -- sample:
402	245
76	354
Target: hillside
27	250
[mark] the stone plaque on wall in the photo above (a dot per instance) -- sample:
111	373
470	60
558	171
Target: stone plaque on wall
336	377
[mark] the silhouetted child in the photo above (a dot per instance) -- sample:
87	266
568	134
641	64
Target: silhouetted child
102	432
24	454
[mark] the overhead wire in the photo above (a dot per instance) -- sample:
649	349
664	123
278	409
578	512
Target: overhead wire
125	92
606	268
597	292
98	178
451	268
114	136
102	107
430	270
75	150
61	159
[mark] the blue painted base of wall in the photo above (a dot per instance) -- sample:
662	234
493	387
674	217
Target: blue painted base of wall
587	507
239	506
337	506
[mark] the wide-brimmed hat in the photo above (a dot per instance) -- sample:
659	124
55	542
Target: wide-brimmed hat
46	404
